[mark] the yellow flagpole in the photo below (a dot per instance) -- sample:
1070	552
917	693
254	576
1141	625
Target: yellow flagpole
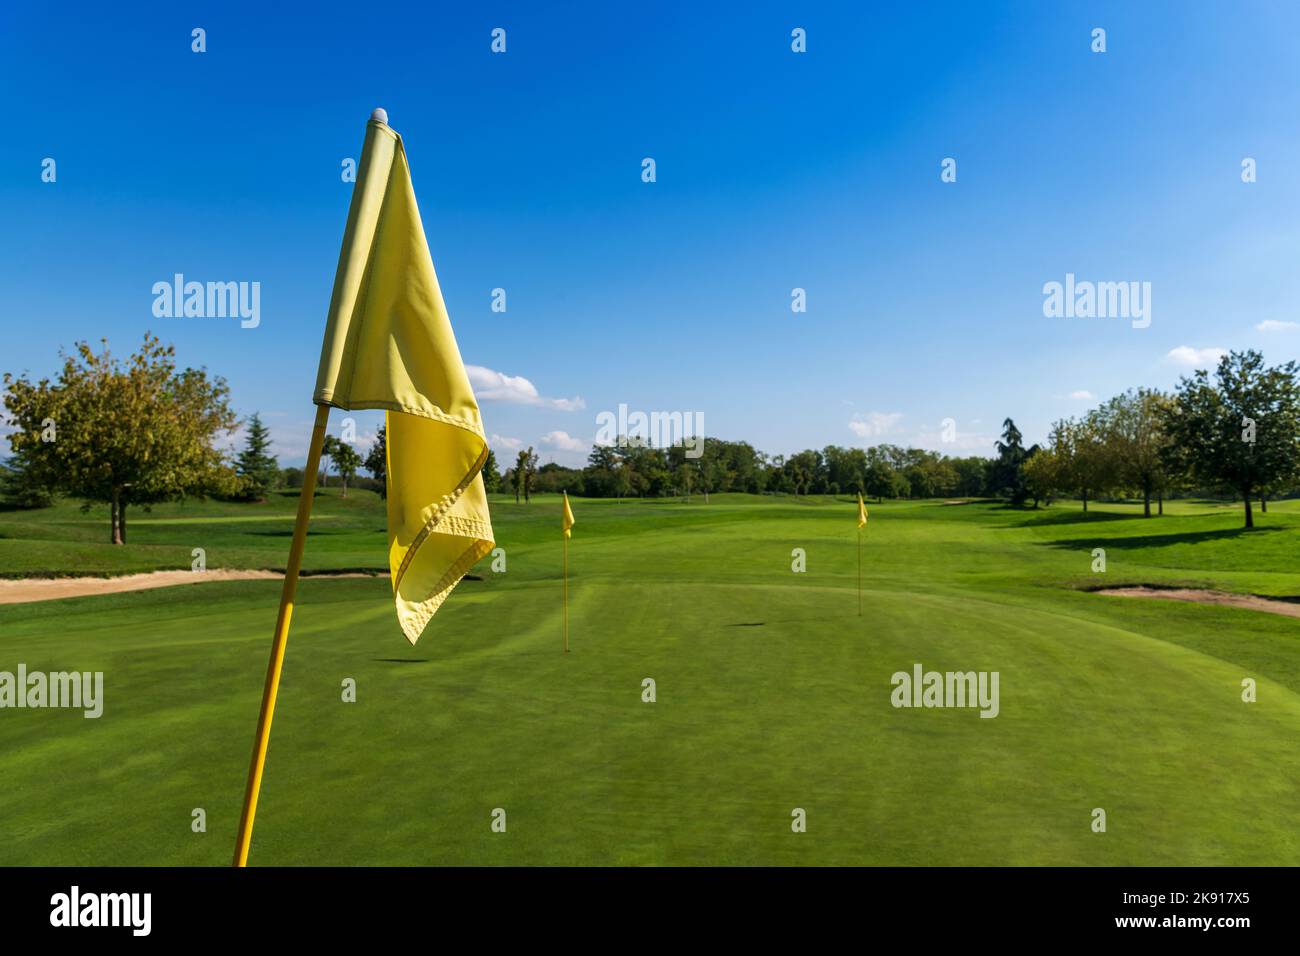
566	594
859	572
273	667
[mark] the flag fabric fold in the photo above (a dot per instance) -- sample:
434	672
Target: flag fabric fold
567	521
862	512
389	344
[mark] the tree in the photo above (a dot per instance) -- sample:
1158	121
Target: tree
707	474
1134	433
553	478
929	473
1008	476
970	476
491	477
1084	461
21	485
346	462
326	450
686	472
258	470
846	469
878	479
598	476
1242	429
530	473
525	471
128	433
625	478
1044	475
377	460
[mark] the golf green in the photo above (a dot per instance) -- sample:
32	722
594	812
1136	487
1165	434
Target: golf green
771	693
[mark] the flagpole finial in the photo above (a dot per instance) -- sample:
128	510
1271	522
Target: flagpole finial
380	114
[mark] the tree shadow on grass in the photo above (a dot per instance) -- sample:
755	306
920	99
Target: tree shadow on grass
1160	540
1048	519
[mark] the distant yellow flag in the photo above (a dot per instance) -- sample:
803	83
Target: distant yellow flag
862	513
389	344
567	521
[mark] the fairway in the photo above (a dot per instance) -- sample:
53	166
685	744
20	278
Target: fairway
771	692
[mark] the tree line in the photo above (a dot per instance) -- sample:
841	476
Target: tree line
1231	433
136	432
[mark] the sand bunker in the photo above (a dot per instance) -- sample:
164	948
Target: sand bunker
1219	598
24	590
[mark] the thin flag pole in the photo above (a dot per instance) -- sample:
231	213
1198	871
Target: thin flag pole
273	667
859	572
566	594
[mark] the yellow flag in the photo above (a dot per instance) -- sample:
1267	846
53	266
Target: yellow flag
389	344
862	512
567	522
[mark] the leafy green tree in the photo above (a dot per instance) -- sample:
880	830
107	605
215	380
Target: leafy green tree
626	480
553	478
970	476
257	469
684	474
800	473
525	471
650	473
377	460
131	433
846	469
1241	429
1133	429
491	477
346	461
1043	475
326	453
928	473
21	485
879	477
598	476
1084	459
1008	476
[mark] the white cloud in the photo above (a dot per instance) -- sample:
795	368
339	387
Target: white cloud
873	424
1273	325
1083	395
514	389
563	441
1195	358
506	443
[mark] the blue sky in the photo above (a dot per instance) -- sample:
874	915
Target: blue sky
775	170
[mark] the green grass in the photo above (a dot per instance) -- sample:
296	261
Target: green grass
772	692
